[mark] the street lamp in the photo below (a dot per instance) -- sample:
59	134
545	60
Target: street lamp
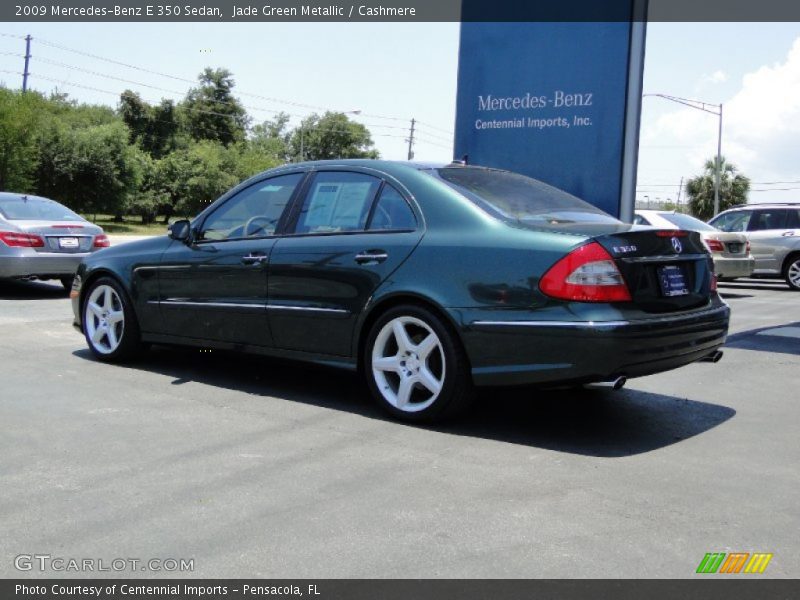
714	109
356	111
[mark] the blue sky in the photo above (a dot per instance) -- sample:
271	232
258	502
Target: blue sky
392	72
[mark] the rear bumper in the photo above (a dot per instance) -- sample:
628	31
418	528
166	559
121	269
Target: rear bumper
43	265
556	352
734	267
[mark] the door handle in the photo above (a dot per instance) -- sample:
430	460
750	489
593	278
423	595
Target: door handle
253	259
370	256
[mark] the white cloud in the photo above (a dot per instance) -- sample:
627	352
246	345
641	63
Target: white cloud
761	125
717	76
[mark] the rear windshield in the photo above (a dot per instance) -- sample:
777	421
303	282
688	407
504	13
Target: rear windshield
517	198
25	208
687	222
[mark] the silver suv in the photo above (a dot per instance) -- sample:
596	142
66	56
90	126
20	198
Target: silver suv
774	234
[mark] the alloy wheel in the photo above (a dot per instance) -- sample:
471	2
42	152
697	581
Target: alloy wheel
793	274
408	364
104	319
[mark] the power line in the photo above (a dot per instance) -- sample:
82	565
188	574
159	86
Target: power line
447	131
58	46
183	79
437	137
181	93
197	110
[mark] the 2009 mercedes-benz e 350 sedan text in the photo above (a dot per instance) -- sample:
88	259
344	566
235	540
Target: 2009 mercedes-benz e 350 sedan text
429	279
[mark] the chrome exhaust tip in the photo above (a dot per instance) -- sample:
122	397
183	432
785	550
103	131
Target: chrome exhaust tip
714	357
612	384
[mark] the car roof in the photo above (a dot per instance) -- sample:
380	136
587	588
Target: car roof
16	195
764	205
653	211
387	165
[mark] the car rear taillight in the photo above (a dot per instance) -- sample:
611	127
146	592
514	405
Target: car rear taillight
587	274
715	245
713	282
101	241
672	233
21	240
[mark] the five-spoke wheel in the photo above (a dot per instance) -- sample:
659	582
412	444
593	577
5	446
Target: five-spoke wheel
109	324
415	367
793	273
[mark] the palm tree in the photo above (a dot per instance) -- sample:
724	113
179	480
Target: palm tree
733	189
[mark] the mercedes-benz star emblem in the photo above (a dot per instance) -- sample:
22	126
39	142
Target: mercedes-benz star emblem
676	244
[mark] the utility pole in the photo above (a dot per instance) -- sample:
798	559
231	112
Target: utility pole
719	164
27	59
716	110
680	189
302	149
411	141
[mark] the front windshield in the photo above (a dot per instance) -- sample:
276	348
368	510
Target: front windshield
687	222
517	198
26	208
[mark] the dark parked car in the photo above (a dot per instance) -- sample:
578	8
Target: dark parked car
429	279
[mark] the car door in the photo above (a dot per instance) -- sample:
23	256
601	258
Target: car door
766	232
348	234
215	287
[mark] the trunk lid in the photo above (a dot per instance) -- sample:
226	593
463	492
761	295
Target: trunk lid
665	269
734	244
68	237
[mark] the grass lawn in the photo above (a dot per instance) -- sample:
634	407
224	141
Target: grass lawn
129	226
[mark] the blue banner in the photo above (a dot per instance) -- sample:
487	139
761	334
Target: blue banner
551	101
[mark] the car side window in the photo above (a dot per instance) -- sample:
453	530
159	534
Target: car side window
764	220
337	201
734	221
640	220
793	220
253	212
392	212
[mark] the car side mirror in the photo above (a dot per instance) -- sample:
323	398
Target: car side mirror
180	230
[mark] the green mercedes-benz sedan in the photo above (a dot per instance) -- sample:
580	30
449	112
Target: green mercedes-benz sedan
428	279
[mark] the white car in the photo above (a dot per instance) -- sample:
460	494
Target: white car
730	250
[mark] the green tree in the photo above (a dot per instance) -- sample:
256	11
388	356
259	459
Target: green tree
272	138
20	124
91	169
249	159
733	189
211	110
195	176
331	136
155	128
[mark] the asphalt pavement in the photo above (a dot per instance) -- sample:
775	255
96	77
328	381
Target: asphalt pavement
254	467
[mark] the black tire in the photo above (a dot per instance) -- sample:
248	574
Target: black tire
791	272
129	342
67	282
447	362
